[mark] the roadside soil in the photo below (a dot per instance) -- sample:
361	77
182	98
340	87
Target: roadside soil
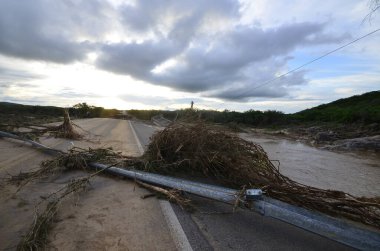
109	216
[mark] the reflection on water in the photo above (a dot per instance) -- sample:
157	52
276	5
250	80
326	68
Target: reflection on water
358	174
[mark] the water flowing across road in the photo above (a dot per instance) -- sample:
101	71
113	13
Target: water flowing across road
355	173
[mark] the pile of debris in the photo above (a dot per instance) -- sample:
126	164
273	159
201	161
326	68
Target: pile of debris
66	129
203	150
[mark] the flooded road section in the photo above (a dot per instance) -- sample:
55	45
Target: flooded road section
357	174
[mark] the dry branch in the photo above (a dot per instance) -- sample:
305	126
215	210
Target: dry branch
172	195
36	237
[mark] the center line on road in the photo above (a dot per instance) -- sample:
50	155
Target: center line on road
175	228
139	146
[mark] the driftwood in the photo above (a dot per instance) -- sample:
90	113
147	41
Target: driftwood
172	195
66	129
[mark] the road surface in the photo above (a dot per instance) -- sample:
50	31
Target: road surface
111	215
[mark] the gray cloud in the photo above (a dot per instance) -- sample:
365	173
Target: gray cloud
149	15
4	85
216	56
223	65
136	59
49	30
245	91
202	68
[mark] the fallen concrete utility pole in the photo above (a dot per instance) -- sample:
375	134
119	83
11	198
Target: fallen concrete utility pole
332	228
33	143
351	234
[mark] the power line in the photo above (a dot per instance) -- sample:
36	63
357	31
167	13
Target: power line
316	59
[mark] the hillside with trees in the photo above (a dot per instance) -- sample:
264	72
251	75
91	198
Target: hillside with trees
363	108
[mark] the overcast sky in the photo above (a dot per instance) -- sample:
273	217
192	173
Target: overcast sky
161	54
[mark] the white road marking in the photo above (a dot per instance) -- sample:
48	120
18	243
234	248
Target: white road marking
179	236
175	228
139	146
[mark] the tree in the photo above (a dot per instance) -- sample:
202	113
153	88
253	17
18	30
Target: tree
82	110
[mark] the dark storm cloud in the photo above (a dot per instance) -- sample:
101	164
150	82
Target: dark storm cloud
244	91
202	68
214	55
135	59
138	59
48	30
225	65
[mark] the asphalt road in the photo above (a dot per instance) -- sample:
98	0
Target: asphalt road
213	226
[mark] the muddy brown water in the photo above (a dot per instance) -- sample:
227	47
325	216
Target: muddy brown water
354	173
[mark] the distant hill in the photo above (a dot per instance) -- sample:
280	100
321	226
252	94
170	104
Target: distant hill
13	108
81	110
363	108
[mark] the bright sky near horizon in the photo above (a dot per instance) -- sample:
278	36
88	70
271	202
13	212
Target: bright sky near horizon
161	54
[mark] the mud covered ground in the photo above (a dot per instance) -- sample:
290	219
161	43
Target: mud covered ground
109	216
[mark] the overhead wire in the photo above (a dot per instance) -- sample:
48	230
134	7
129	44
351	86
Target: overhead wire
311	61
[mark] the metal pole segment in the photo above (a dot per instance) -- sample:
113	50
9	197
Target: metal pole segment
346	232
349	233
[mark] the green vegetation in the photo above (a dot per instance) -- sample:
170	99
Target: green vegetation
81	110
251	117
32	110
364	109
